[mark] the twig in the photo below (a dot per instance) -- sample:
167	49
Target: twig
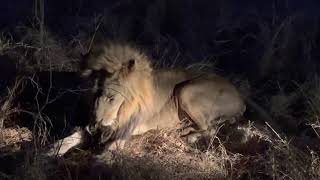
94	34
274	131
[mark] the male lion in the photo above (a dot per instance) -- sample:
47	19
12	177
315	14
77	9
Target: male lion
132	97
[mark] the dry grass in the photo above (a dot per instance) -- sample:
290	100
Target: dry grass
4	45
160	154
7	103
163	154
11	139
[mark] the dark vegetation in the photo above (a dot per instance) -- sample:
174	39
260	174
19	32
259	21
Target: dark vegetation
270	50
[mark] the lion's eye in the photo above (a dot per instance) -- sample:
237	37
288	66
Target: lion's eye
109	98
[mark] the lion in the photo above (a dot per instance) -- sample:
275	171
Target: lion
132	97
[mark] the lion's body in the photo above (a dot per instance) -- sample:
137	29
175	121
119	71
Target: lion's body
134	98
159	98
207	99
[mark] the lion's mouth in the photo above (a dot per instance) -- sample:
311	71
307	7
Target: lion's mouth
100	133
103	134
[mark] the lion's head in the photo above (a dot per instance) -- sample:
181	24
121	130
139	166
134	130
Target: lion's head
122	84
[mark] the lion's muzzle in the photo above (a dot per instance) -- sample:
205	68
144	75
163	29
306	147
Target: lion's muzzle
101	132
108	123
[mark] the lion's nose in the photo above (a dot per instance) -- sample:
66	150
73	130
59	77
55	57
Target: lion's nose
108	123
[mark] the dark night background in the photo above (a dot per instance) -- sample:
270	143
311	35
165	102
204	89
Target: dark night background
235	34
269	49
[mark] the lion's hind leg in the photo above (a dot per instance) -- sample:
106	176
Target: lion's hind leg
196	105
210	102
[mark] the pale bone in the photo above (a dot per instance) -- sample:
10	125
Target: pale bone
62	146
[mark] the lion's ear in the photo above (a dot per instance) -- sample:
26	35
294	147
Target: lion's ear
127	68
130	65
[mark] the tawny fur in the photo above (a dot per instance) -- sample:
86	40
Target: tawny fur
150	97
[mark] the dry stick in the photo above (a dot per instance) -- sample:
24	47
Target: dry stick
50	87
94	35
74	91
315	129
42	33
41	117
274	131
